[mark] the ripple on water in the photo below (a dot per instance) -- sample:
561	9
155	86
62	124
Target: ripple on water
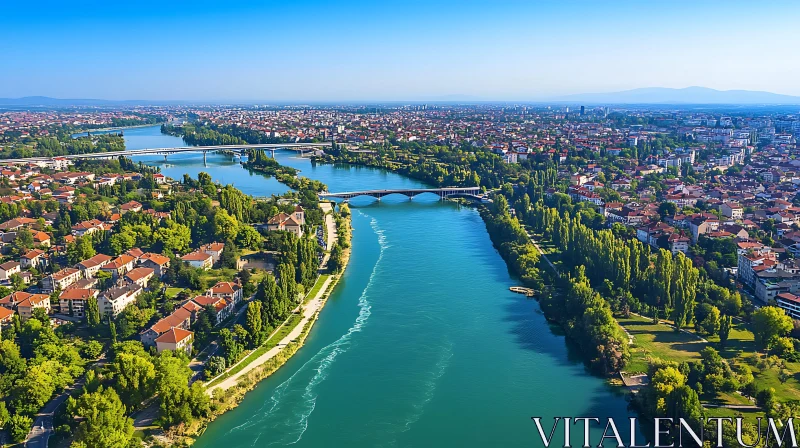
294	400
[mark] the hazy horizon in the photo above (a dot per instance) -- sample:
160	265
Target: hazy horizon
355	50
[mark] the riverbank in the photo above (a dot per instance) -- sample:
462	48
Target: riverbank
111	129
228	391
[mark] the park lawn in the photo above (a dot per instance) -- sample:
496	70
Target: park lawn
729	398
749	415
257	276
212	276
740	339
769	378
658	341
171	292
317	286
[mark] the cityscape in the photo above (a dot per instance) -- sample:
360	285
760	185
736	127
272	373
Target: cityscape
299	240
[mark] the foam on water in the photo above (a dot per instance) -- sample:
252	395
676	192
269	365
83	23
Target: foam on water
318	366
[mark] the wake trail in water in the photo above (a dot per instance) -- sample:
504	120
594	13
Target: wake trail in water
295	423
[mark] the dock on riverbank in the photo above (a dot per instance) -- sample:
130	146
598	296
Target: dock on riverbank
523	290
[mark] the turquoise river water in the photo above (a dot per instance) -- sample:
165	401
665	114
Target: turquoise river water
421	344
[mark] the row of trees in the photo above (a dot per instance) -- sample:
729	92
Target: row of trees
43	362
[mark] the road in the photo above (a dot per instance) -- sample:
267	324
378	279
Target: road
196	365
43	424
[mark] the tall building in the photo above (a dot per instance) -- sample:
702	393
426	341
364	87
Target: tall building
582	110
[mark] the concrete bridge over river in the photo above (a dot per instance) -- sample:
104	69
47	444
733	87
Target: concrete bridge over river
240	149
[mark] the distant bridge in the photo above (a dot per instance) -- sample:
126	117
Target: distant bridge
446	192
299	147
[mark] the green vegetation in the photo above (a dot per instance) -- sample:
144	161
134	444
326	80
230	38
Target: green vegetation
658	341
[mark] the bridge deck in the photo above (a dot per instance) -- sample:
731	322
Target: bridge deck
410	192
175	150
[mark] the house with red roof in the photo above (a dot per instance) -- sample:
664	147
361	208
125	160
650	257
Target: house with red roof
175	339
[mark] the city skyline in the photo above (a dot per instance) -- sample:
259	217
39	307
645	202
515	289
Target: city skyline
358	51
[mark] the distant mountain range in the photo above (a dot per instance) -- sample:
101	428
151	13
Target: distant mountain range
647	95
688	95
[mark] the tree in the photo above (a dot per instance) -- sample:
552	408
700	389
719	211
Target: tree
134	378
179	402
214	366
112	330
229	256
248	237
711	322
665	380
92	313
770	322
254	324
91	350
24	239
225	226
683	402
31	391
725	329
20	426
174	237
4	415
336	261
17	283
80	250
104	419
666	209
230	346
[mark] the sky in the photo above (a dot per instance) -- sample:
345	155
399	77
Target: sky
383	50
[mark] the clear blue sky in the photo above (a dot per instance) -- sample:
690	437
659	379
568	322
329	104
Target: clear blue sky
392	50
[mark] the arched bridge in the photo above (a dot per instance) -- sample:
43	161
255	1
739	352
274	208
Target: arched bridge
299	147
446	192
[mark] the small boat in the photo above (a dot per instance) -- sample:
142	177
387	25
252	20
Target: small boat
522	290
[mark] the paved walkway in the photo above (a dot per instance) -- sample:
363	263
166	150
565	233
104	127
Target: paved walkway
544	255
309	310
330	224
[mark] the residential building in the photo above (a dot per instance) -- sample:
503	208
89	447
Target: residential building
35	258
199	259
91	266
230	290
214	249
180	318
61	279
175	339
8	269
119	266
113	301
158	263
26	307
72	301
790	303
141	276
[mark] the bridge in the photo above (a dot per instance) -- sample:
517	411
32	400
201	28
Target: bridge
299	147
446	192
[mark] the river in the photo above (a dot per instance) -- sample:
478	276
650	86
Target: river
420	345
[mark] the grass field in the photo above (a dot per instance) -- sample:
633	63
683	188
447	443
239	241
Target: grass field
659	341
172	292
317	286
